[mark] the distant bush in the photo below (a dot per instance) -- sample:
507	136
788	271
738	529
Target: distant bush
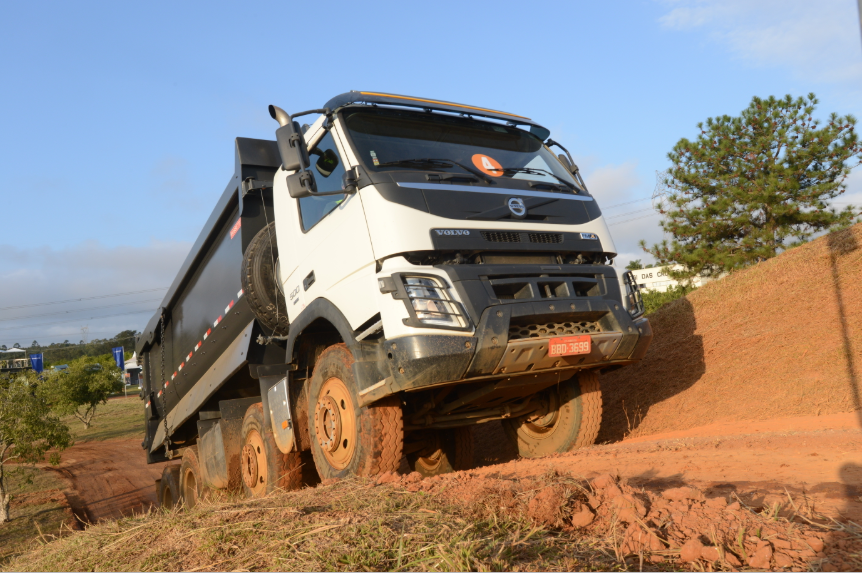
654	300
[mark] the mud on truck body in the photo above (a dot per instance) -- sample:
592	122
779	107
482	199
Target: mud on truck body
371	287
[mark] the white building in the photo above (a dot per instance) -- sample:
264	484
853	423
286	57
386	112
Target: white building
656	278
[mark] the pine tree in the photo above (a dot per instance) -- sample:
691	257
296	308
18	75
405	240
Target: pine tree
754	185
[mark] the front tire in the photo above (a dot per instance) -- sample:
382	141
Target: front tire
346	439
569	420
263	468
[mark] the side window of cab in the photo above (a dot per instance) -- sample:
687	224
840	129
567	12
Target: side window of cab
328	168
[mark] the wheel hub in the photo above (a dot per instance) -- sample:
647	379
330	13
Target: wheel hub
327	424
253	463
541	424
335	424
249	466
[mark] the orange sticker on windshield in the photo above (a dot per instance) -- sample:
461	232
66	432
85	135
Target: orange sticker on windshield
487	165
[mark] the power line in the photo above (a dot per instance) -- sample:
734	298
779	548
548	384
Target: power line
79	310
630	220
620	204
82	299
75	320
43	349
629	213
44	335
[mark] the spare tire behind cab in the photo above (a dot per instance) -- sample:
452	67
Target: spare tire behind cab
260	284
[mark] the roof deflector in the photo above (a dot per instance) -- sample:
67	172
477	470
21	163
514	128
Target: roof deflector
424	103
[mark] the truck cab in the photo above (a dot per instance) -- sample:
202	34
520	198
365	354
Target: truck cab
463	254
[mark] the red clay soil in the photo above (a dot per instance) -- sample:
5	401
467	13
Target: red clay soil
782	338
109	479
692	528
756	460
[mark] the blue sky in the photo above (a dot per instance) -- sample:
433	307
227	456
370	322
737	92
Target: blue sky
119	118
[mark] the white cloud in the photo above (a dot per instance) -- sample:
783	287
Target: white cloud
816	41
45	274
613	184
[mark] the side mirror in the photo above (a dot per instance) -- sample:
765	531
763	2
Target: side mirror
301	184
569	165
292	147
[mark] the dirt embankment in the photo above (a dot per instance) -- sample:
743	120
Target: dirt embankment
783	338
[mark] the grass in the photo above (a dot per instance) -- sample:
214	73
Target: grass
119	418
39	513
350	525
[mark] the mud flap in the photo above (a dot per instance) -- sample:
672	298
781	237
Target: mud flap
279	415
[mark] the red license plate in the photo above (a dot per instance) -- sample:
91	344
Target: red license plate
570	346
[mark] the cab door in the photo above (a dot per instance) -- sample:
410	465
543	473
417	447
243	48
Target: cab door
329	246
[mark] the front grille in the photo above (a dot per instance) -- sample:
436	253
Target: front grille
501	237
546	237
547	330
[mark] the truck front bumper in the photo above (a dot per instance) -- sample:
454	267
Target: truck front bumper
512	340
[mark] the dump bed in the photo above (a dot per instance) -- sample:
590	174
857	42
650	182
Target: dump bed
199	353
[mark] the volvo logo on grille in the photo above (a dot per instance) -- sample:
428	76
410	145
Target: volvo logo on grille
517	207
452	231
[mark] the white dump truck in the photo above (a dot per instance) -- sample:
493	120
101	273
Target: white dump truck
374	284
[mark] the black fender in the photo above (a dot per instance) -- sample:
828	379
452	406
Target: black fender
367	366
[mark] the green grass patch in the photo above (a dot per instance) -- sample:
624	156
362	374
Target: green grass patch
39	513
119	418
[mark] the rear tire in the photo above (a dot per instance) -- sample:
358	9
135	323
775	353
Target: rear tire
447	451
259	282
191	484
170	494
264	469
346	439
571	420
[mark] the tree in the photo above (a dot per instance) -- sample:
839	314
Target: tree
16	345
753	185
634	265
35	344
28	429
84	385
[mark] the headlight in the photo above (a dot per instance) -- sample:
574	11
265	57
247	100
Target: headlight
431	302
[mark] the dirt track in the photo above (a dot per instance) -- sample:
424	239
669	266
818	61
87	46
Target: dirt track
109	479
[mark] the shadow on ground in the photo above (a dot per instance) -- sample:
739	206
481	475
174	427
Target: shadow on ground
672	365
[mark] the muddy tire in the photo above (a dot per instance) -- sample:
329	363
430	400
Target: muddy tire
570	421
346	439
263	468
447	451
191	484
259	282
170	494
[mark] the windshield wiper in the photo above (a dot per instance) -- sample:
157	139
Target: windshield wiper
419	163
535	171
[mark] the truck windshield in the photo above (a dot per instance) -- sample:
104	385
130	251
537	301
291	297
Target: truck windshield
395	140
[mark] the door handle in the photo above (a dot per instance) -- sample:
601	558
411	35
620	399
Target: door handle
308	281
